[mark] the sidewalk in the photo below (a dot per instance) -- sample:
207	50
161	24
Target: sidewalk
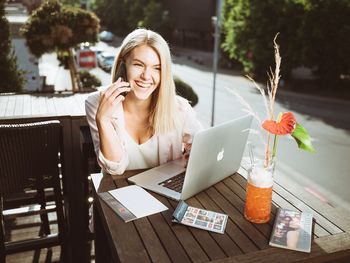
192	57
56	76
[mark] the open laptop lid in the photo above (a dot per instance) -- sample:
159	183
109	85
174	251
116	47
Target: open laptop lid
216	154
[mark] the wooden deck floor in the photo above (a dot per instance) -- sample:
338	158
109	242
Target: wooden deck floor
15	231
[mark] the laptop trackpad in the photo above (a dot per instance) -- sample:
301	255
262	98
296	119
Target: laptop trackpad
170	169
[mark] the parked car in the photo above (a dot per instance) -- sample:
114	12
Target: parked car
106	36
105	60
97	50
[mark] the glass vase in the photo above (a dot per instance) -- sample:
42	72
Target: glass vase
259	192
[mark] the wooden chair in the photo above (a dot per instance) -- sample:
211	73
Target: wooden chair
30	165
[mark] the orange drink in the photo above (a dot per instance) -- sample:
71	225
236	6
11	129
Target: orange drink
258	204
259	193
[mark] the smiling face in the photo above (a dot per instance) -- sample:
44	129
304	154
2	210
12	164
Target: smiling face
143	71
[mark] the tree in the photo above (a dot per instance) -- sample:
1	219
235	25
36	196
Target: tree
313	33
123	16
56	28
155	17
113	15
12	79
326	40
250	25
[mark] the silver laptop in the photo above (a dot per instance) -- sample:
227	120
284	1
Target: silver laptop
216	154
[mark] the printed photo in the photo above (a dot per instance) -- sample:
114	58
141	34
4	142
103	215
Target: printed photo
219	219
190	214
205	218
279	235
202	212
201	223
288	232
187	220
289	225
211	214
192	209
217	227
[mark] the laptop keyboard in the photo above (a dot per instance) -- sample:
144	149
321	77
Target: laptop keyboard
174	183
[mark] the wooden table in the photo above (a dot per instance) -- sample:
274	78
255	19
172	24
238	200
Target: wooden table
157	239
69	109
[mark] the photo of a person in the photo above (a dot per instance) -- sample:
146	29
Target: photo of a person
279	235
287	230
293	232
219	219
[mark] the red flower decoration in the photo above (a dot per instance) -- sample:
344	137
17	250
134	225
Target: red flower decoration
285	124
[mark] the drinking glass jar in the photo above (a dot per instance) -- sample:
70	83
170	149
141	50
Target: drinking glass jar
259	192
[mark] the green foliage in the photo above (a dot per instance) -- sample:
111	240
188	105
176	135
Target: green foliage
134	11
315	33
11	78
113	15
249	27
326	39
75	3
155	17
123	16
184	90
88	80
53	27
303	138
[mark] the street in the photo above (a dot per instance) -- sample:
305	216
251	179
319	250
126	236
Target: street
324	174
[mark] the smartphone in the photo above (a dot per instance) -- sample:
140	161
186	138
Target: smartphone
121	73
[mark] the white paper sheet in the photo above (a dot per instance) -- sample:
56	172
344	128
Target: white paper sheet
138	201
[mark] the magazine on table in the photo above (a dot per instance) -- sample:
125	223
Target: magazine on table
199	218
292	230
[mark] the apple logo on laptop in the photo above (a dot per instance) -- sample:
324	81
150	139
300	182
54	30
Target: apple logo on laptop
220	155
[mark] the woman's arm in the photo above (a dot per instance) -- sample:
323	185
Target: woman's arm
100	113
190	128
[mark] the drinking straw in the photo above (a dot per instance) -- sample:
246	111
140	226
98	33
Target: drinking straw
251	154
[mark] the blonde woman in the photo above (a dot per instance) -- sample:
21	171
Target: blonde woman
149	125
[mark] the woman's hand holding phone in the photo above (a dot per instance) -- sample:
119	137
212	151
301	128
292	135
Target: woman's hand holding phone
109	98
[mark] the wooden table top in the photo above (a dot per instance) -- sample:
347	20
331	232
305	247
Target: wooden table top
156	239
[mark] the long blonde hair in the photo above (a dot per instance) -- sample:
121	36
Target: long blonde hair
163	114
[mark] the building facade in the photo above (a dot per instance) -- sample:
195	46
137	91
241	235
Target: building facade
192	21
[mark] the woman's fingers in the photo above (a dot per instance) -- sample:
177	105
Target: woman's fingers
118	84
112	87
110	97
108	100
117	92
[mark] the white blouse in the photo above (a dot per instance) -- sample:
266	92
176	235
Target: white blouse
169	146
142	156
